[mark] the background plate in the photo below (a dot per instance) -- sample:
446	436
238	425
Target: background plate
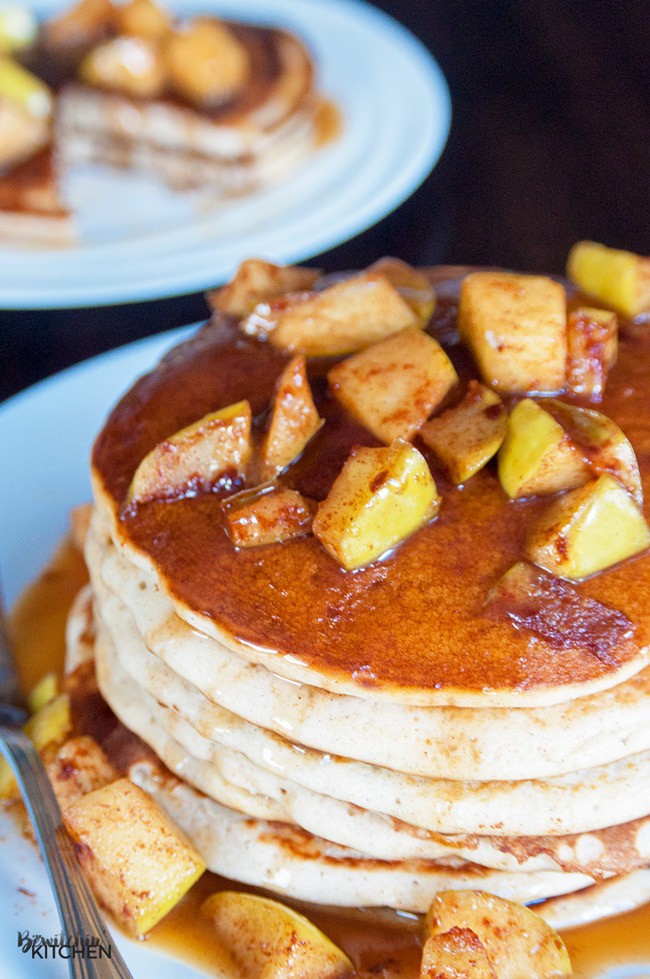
396	112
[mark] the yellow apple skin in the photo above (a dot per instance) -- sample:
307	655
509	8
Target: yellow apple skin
411	284
592	339
137	862
587	530
255	519
455	954
467	436
18	28
537	456
294	420
197	457
380	497
47	688
519	944
515	326
393	386
618	279
601	442
25	89
257	281
270	941
342	318
49	726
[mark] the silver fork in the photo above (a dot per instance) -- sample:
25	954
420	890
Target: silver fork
79	914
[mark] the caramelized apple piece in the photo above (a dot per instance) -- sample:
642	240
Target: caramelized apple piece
587	530
47	688
267	517
537	456
515	325
78	767
618	279
411	284
89	22
467	436
518	942
344	317
270	941
143	18
21	134
258	281
455	954
294	420
49	726
215	448
137	862
132	65
380	497
601	442
592	341
205	62
393	386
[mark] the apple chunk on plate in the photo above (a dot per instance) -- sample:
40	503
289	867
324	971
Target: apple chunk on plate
137	862
455	954
587	530
195	459
411	284
380	497
537	456
393	386
344	317
267	940
518	942
269	517
294	420
467	436
258	281
614	277
515	326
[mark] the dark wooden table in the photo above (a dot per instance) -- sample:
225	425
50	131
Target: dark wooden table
550	142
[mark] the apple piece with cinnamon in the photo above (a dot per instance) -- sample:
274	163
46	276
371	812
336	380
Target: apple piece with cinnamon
257	281
616	278
294	420
592	344
393	386
268	517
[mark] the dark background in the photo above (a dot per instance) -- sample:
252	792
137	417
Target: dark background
550	142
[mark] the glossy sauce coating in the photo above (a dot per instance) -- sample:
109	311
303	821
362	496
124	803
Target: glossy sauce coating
412	621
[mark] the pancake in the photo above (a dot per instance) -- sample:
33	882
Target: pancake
369	736
289	608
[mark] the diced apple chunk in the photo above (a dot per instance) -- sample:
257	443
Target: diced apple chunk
86	23
411	284
592	340
257	281
137	862
216	447
455	954
380	497
393	386
587	530
50	726
205	61
616	278
142	18
270	941
515	326
601	442
342	318
47	688
537	456
518	942
467	436
78	767
130	65
294	420
267	518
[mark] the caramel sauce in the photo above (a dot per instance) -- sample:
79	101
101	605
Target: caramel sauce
294	600
387	945
31	187
329	122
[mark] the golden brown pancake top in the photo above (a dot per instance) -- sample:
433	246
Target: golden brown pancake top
413	621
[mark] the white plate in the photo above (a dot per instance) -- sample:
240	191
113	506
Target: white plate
396	112
47	433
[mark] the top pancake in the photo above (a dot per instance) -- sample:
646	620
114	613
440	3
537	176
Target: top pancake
410	628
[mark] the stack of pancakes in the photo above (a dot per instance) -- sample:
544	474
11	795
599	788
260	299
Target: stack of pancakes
369	738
